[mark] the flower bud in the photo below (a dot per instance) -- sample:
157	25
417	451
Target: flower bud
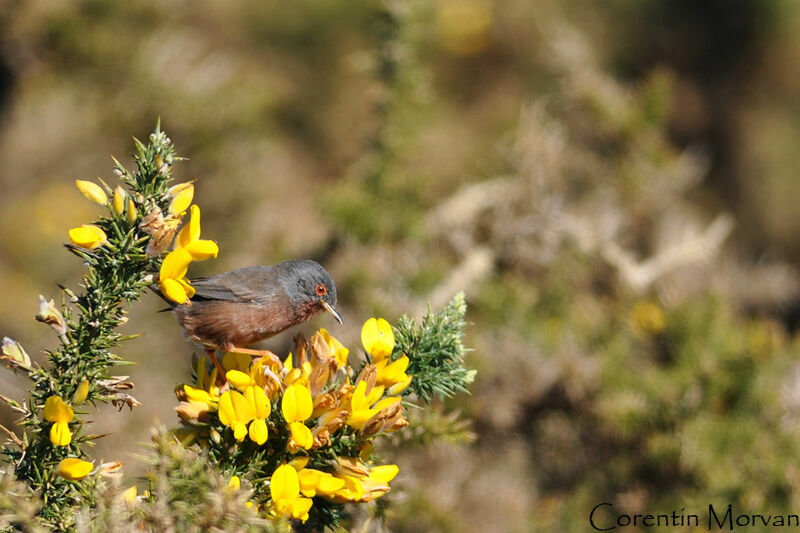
92	192
120	197
131	214
81	393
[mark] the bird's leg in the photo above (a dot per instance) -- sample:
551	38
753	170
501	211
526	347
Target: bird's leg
250	351
220	370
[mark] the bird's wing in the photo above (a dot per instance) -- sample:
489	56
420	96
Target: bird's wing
248	285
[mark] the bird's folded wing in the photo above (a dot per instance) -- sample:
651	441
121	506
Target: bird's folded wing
245	285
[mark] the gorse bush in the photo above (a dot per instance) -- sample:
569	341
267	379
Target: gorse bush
276	441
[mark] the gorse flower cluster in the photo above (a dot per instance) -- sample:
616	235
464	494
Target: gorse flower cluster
304	425
293	436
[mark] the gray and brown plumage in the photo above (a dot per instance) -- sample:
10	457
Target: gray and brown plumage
235	309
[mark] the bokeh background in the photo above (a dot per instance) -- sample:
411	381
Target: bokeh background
613	184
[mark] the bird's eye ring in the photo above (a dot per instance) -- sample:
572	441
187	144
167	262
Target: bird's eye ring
321	290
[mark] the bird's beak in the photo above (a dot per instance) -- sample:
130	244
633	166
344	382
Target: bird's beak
329	308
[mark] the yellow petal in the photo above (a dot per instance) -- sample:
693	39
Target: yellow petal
173	290
201	249
328	485
258	431
191	231
81	393
183	193
175	264
129	495
400	386
297	404
284	484
225	409
339	351
233	407
73	468
199	395
378	338
60	434
308	481
374	394
300	508
55	410
239	430
358	400
386	402
235	483
201	373
358	419
188	289
259	402
88	236
390	374
301	435
239	379
383	473
92	192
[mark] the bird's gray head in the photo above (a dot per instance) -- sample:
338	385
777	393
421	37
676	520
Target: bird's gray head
307	284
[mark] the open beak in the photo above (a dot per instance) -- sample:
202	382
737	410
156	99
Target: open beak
329	308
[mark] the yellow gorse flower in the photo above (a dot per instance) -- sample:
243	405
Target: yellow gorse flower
393	375
339	351
378	338
297	406
235	412
88	236
74	469
92	192
189	247
362	483
284	488
262	408
61	414
363	405
250	407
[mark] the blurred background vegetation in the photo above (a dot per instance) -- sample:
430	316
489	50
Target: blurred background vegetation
613	184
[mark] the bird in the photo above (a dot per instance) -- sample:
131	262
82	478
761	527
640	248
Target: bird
232	310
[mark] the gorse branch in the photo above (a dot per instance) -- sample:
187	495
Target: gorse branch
436	351
120	261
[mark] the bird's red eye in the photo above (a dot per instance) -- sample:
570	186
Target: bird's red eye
321	290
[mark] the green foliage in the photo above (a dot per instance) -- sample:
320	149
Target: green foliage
435	351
